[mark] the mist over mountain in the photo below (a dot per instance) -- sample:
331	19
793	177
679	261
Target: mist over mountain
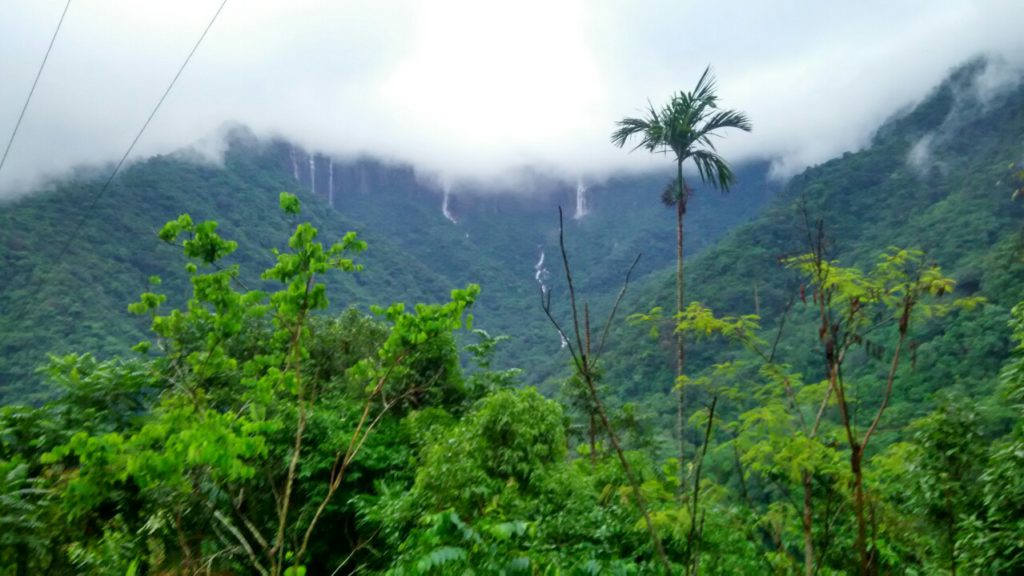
471	92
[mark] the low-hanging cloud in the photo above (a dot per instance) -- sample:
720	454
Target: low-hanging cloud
970	102
469	90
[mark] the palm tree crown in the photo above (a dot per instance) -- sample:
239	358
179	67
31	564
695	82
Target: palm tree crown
685	127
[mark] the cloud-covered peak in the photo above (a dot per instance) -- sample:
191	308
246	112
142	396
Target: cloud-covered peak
468	90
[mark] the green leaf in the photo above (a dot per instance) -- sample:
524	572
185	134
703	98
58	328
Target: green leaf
289	203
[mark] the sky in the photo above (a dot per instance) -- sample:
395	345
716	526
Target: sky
472	88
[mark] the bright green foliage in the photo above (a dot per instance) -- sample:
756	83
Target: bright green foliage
492	452
289	203
900	275
178	457
492	464
484	378
774	447
495	494
195	447
1013	372
931	484
990	537
489	549
701	322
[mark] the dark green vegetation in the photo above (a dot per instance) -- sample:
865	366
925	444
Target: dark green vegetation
79	303
257	430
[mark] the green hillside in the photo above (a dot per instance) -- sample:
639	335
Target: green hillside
54	302
956	207
852	401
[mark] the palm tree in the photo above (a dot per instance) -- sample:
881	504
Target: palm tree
685	127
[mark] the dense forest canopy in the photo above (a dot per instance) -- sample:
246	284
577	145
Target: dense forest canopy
245	380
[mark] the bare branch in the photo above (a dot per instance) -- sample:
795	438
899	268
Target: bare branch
585	371
253	560
568	279
615	308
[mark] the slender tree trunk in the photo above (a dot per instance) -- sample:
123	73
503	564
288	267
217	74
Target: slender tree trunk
632	478
856	459
808	524
951	534
856	462
697	531
857	449
593	443
680	338
584	363
739	473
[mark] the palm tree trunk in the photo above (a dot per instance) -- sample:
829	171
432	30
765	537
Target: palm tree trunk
680	342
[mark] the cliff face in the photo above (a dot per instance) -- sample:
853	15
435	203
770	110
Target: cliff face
511	222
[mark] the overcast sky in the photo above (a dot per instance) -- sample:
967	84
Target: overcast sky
474	88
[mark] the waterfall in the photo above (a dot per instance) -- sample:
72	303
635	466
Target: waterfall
541	275
581	201
330	182
444	203
312	175
295	165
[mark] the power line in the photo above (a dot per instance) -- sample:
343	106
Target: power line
39	73
128	152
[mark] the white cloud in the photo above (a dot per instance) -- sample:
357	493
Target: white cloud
471	89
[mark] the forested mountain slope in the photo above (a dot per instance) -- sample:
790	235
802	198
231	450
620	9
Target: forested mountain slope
938	178
56	301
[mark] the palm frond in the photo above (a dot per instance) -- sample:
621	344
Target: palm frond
685	126
704	91
628	127
713	169
720	121
649	129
